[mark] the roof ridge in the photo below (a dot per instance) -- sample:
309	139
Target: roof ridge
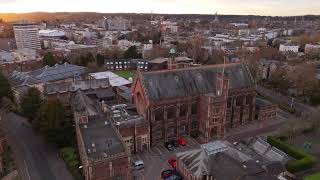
191	68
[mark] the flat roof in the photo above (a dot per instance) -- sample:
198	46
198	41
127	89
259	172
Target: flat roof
101	139
114	79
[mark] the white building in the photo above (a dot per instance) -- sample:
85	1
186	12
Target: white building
125	44
288	48
48	33
309	48
118	24
244	32
26	35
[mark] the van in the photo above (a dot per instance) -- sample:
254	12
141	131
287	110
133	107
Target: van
137	165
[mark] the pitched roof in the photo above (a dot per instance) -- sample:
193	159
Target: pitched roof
46	74
82	103
192	81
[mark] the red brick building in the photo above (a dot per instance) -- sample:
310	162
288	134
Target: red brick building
134	129
24	66
201	99
102	152
265	110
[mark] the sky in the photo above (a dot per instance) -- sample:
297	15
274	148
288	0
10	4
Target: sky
245	7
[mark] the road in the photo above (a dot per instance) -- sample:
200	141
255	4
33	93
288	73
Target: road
35	159
281	99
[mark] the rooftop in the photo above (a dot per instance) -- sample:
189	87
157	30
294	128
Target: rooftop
60	87
100	139
125	114
218	157
114	79
262	102
192	81
46	74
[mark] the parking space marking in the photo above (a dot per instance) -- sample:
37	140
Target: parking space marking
156	148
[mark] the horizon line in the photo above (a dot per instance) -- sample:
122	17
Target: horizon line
203	14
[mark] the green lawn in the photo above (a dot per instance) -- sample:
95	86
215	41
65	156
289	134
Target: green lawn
313	177
125	74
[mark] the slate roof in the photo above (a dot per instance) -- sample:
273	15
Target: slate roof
222	165
187	82
46	74
91	84
263	103
82	103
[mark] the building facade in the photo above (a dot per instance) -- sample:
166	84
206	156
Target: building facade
26	35
195	100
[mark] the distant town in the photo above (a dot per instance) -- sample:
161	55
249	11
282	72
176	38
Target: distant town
92	96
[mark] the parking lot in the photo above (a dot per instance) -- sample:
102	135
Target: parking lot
155	159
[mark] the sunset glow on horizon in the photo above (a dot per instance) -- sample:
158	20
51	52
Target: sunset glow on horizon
252	7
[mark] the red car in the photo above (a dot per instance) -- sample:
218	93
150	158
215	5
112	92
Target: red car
182	141
173	163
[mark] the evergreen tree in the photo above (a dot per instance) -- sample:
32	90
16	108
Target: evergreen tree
31	103
100	60
49	59
5	88
132	53
53	123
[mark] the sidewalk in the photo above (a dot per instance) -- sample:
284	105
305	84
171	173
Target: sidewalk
255	128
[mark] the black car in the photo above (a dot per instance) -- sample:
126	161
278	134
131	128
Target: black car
167	173
174	177
175	143
171	175
169	146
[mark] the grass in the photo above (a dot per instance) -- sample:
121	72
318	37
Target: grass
70	157
312	177
125	74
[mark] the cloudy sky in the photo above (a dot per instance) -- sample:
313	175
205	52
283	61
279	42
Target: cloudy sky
261	7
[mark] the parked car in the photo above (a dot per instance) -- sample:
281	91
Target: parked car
167	173
173	163
169	146
182	141
175	143
174	177
138	165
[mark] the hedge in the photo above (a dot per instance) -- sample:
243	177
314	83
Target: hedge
312	177
303	160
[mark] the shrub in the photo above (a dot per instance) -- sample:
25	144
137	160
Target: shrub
303	160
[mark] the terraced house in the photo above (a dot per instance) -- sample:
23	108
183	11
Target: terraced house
208	100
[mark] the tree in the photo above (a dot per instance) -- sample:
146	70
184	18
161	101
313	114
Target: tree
100	60
195	48
5	105
49	59
31	103
5	88
85	59
132	53
53	123
304	78
279	80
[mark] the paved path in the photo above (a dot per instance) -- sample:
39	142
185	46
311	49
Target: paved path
281	99
36	160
